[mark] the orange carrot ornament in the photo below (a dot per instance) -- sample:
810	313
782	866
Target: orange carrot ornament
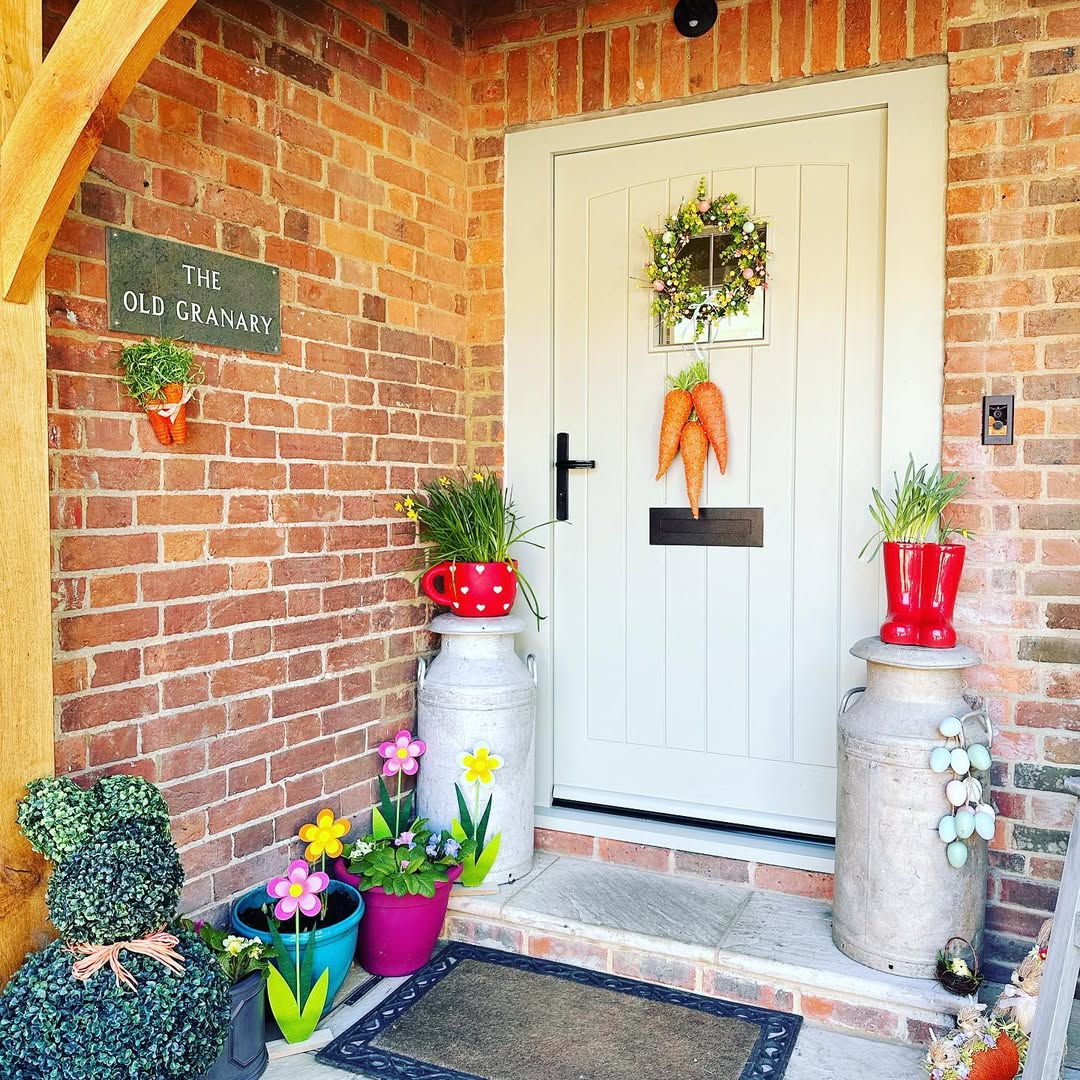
677	408
709	405
694	446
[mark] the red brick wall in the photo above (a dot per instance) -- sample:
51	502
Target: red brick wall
1013	321
230	617
1014	309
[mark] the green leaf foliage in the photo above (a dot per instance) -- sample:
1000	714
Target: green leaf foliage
119	885
148	366
472	519
297	1023
465	818
481	829
476	868
172	1027
56	815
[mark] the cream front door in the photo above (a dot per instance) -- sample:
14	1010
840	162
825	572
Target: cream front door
703	682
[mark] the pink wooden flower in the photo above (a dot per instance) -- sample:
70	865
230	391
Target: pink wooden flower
297	889
401	754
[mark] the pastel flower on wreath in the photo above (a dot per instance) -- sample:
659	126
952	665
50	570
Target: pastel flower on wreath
324	836
479	766
406	839
401	754
298	889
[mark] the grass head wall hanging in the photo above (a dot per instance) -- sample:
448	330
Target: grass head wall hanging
675	297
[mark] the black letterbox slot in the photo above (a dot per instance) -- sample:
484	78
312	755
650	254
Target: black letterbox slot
718	526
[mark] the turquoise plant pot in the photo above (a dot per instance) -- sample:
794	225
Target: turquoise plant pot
334	944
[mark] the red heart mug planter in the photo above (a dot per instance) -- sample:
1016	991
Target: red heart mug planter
473	590
921	582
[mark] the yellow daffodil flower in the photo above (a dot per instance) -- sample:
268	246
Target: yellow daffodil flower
479	766
478	476
444	481
399	507
412	515
324	836
408	502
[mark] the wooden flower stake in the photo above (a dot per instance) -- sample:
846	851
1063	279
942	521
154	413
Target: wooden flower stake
479	771
323	838
296	1004
162	376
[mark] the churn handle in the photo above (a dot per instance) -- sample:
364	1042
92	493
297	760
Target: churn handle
530	662
421	673
847	698
984	715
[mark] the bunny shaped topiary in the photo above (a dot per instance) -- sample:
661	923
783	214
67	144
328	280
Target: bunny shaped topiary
126	993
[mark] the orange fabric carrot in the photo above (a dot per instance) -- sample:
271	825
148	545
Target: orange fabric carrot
694	446
709	405
677	408
159	423
178	425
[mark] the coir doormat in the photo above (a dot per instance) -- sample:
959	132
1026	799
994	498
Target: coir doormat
477	1014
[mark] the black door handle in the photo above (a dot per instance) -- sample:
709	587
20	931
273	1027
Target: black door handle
563	464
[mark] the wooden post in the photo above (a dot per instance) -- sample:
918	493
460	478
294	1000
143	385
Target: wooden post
26	703
1046	1050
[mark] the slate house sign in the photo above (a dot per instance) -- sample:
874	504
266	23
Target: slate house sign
162	288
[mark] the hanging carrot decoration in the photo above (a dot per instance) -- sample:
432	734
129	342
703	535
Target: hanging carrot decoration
677	408
694	446
709	405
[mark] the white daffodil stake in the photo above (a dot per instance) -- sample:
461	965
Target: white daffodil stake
970	815
478	771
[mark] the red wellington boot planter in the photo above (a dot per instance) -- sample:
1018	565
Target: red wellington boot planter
473	590
942	566
903	588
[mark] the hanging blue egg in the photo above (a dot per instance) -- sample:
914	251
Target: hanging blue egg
940	758
957	854
984	826
950	727
947	829
959	761
965	823
979	756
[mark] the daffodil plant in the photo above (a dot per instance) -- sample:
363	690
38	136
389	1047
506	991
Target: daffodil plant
401	861
238	956
478	772
469	519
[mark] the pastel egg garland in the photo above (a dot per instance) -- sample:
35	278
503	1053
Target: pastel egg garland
969	816
674	297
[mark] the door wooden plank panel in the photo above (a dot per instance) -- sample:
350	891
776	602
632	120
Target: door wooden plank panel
771	455
606	538
818	462
727	569
570	656
645	565
686	616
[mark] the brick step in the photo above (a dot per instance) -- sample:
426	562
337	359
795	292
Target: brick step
752	945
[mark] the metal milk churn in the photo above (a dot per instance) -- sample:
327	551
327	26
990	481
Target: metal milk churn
478	691
897	899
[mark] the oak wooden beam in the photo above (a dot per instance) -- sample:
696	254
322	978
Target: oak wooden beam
93	66
26	703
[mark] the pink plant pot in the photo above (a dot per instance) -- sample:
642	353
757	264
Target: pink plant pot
398	933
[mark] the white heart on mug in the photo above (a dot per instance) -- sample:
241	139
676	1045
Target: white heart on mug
506	607
479	568
498	588
479	607
456	604
464	589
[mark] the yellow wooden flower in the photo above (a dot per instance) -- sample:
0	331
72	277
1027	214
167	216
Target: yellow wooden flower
479	766
324	836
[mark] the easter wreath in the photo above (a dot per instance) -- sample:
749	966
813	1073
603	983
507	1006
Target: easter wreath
669	270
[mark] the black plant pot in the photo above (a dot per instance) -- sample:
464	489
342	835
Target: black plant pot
244	1054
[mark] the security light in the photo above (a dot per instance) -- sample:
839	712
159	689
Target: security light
694	17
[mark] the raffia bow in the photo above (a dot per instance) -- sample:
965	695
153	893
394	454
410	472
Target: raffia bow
170	412
160	947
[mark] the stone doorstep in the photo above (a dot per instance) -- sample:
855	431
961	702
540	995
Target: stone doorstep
722	940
